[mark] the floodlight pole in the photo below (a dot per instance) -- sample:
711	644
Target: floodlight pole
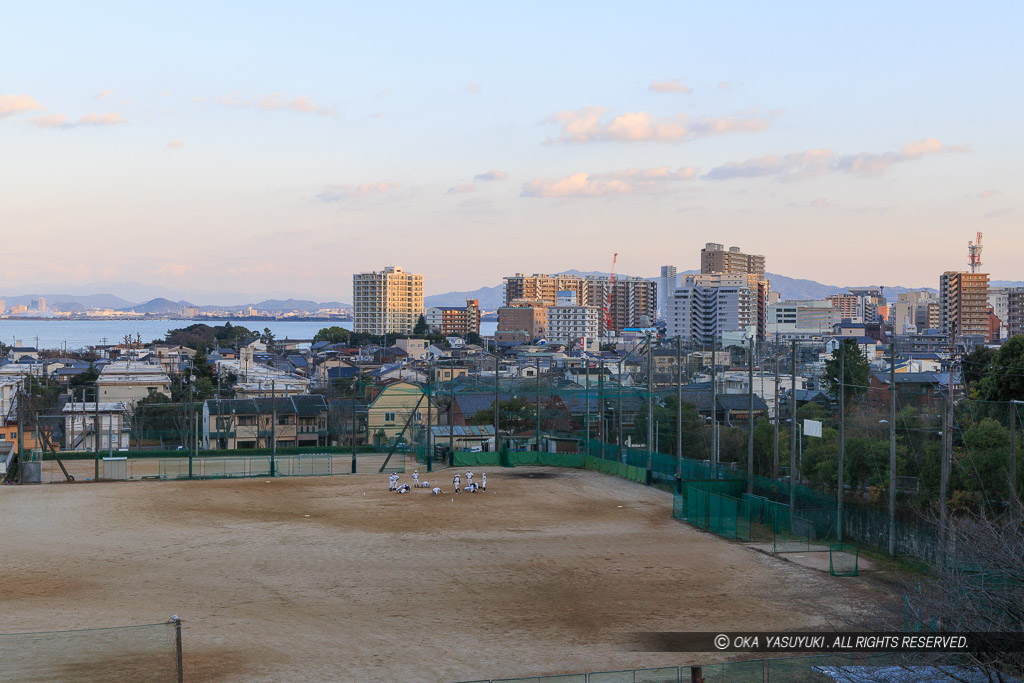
792	436
841	473
892	447
679	416
650	408
750	417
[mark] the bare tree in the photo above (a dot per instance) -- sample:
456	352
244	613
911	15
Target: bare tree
978	587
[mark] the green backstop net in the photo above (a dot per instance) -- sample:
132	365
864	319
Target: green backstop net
843	559
131	653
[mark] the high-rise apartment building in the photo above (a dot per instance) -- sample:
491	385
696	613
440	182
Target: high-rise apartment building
963	298
999	300
846	304
544	287
714	258
574	325
454	321
634	301
528	317
667	282
387	301
707	305
1014	311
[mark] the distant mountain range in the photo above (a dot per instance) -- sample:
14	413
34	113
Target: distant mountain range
490	298
162	305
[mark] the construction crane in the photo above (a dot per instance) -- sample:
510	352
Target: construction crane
974	254
609	328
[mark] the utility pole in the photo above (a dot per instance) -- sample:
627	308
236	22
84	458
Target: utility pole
497	407
586	404
792	441
775	456
21	426
430	391
679	415
841	473
602	428
750	417
96	434
714	410
273	428
537	404
451	412
892	447
618	417
947	441
355	427
650	409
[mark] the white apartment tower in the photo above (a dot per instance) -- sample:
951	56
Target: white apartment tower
389	301
666	285
707	305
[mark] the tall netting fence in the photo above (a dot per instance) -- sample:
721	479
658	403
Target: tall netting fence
849	668
814	425
768	415
129	653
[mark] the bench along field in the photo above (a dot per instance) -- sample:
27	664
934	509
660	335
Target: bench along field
336	578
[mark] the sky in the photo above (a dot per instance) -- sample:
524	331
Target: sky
276	148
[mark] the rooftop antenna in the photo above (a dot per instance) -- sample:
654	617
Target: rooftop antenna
974	254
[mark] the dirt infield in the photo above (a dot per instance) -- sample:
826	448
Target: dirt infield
334	578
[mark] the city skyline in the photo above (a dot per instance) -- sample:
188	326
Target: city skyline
259	150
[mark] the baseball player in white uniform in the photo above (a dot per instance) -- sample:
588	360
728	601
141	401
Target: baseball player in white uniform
437	491
416	479
483	481
457	480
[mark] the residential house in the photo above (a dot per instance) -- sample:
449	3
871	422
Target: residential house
291	422
83	421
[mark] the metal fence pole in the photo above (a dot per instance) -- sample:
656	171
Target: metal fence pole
177	646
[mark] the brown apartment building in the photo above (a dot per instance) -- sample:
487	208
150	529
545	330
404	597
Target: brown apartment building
963	298
545	288
715	258
522	320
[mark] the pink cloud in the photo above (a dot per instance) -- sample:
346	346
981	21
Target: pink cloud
278	102
824	161
16	104
676	86
491	176
629	181
588	124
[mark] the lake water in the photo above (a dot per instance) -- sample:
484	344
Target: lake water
77	334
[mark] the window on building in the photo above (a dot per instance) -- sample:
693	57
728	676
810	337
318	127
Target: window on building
389	417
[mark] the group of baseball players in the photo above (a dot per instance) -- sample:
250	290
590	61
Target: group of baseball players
470	487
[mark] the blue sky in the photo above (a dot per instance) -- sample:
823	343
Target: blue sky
258	147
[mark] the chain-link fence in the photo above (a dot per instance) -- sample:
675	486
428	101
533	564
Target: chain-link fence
847	668
129	653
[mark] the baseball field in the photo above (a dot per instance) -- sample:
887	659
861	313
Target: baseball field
335	578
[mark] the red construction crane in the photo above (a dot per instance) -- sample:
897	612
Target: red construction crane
608	298
974	254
